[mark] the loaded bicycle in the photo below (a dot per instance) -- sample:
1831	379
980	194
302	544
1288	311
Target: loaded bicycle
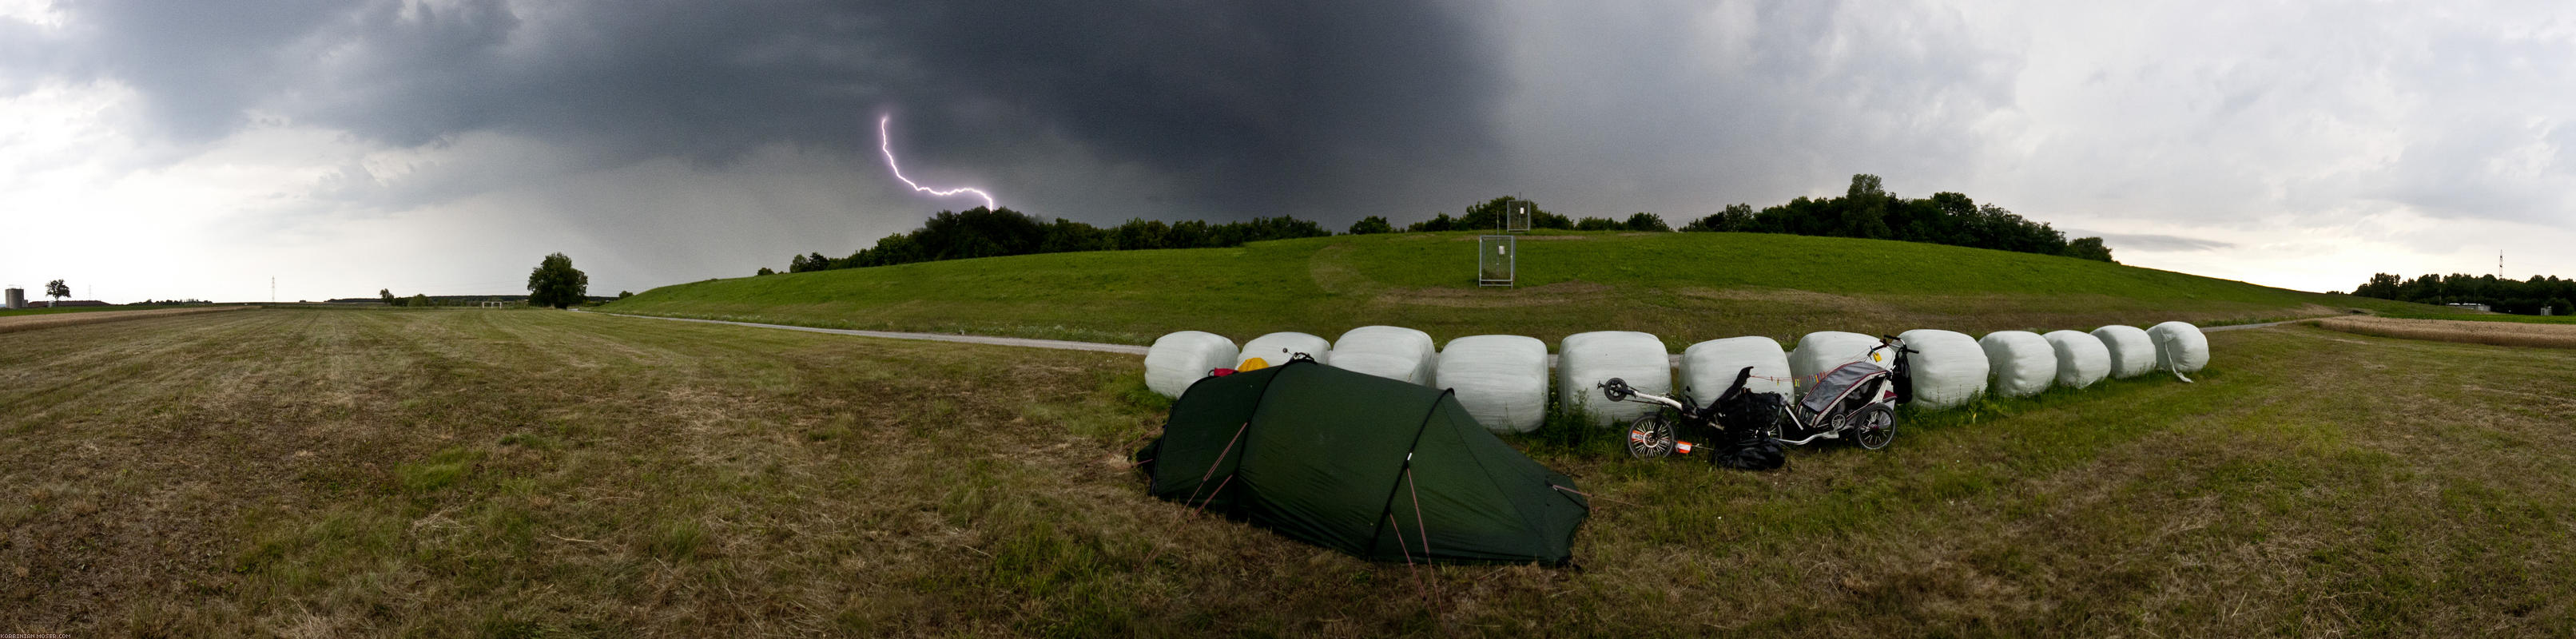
1855	402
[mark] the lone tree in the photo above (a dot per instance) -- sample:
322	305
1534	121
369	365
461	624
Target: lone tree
58	290
386	294
556	283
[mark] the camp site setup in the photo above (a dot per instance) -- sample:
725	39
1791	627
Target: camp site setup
1383	447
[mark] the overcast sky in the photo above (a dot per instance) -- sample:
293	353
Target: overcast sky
182	148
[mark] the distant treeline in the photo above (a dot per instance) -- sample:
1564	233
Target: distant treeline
2499	294
982	232
1864	211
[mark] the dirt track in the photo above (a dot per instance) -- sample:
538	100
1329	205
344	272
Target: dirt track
50	320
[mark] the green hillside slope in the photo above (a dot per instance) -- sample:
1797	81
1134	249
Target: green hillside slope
1684	287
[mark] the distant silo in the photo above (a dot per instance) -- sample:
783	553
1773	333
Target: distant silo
17	298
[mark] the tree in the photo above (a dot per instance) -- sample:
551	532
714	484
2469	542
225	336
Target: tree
765	270
1643	221
420	300
1371	225
386	294
58	290
2089	248
556	283
625	294
1438	223
1597	224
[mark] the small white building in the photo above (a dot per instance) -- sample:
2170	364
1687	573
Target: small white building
2475	307
17	298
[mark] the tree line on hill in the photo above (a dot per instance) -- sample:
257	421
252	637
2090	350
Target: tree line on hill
1866	210
2502	295
983	232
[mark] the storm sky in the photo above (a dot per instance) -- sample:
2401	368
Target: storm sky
159	149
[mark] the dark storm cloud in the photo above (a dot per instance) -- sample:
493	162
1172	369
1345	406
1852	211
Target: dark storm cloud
1246	103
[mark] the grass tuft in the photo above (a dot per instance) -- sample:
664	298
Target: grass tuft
438	471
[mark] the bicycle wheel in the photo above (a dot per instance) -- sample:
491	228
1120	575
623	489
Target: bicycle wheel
1651	436
1874	426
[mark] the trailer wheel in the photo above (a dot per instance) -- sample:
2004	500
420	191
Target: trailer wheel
1874	426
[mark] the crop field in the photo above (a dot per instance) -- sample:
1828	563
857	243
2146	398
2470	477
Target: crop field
1685	287
2480	317
67	316
323	473
2497	333
17	312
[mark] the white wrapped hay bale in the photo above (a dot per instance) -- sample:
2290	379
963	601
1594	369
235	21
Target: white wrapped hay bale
1500	379
1949	370
2022	362
1180	359
1276	348
2179	346
2081	358
1709	367
1824	351
1392	352
1587	359
2132	354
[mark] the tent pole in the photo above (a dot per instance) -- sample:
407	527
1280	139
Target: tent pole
1220	460
1389	511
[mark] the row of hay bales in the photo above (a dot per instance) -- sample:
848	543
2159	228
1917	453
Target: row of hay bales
1503	380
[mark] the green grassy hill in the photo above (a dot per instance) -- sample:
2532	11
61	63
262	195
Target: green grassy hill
1685	287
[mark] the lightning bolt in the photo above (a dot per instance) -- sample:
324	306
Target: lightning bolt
886	144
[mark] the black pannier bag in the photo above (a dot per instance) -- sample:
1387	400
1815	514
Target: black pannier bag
1745	443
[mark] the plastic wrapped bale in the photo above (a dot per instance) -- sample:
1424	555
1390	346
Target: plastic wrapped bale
1276	348
1823	351
2179	347
1180	359
2081	358
1709	367
2132	354
1587	359
1949	369
2022	362
1500	379
1391	352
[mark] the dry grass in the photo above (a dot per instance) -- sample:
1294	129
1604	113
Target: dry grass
16	323
529	473
2492	333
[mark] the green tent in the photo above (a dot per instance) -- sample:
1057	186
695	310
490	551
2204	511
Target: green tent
1374	467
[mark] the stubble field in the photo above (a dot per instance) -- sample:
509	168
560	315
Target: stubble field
537	473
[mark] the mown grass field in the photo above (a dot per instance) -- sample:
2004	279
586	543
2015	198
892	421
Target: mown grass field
1685	287
538	473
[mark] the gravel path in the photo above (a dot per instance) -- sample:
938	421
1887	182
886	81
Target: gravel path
2238	326
1095	346
935	337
